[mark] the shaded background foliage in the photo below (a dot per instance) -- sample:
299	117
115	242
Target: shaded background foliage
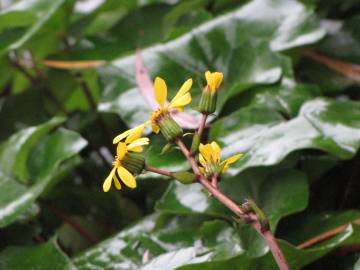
289	102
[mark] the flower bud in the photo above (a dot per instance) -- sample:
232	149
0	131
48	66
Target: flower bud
207	104
251	206
169	128
185	177
195	143
133	162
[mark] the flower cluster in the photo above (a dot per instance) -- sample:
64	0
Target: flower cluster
210	160
129	162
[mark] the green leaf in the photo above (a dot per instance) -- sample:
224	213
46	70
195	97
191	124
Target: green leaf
160	242
187	199
45	20
240	48
172	161
113	252
42	165
278	193
41	257
14	152
180	10
324	124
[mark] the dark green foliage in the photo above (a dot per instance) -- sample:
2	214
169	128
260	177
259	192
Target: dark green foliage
296	120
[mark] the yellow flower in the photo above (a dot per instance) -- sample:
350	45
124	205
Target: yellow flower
133	143
213	80
210	159
181	99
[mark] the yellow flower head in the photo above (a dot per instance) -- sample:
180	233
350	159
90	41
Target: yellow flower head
133	143
213	80
210	159
181	99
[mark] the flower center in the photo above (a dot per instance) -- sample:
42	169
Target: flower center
159	114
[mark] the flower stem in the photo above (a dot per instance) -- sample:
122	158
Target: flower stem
234	207
158	171
202	125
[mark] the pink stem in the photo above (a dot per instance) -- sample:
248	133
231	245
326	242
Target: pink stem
158	171
202	125
234	207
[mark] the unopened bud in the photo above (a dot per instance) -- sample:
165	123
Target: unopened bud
195	143
185	177
207	104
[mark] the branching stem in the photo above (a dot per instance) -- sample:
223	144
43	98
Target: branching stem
250	218
158	171
202	125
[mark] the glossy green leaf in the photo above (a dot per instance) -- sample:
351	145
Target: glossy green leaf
185	8
169	241
331	126
110	252
14	152
42	166
44	18
186	199
172	161
170	245
277	193
232	43
41	257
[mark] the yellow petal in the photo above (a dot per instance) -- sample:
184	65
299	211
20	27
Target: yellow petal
127	178
117	182
216	151
225	168
138	142
213	79
108	180
179	109
121	150
136	133
121	136
233	158
202	160
225	164
218	77
205	151
155	128
183	90
137	149
208	77
160	90
202	170
180	101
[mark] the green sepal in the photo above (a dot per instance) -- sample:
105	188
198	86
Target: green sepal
195	143
185	177
169	128
133	162
207	104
